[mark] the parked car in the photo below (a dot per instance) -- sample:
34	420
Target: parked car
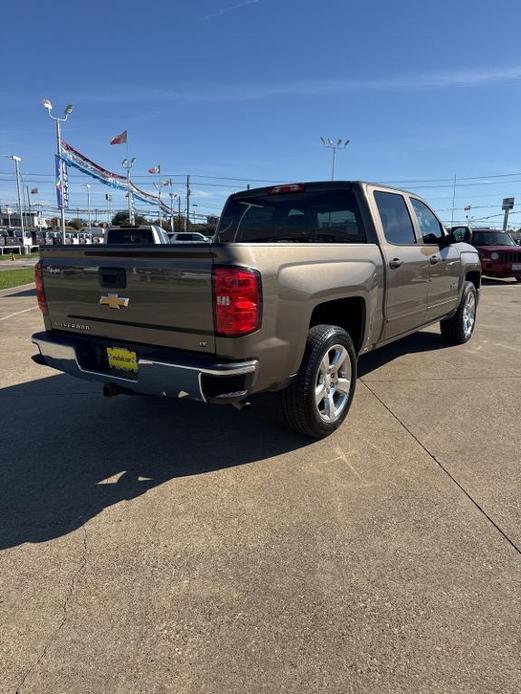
188	237
142	235
299	280
500	255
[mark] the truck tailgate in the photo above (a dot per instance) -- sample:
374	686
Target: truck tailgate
159	295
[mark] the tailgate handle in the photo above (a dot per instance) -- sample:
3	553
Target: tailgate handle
112	277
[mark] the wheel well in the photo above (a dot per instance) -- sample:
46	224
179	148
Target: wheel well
346	313
474	277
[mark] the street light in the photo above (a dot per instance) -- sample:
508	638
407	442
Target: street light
158	187
334	145
172	196
47	104
17	161
88	186
128	164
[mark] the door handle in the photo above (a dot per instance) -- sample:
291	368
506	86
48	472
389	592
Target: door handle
434	259
395	262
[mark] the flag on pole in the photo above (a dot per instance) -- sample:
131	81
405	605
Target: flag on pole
120	139
34	191
467	208
155	169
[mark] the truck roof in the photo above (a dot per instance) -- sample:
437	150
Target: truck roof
317	185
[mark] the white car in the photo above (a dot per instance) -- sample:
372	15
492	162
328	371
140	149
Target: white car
188	237
141	235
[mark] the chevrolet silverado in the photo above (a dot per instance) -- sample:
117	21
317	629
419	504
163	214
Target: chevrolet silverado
299	280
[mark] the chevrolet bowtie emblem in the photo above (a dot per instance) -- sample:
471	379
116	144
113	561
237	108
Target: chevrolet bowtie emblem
114	301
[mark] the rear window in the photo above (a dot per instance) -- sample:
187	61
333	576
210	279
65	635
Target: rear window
130	236
328	216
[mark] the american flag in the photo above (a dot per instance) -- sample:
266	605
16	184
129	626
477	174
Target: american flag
120	139
155	169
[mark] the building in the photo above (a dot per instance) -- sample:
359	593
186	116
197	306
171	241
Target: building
11	218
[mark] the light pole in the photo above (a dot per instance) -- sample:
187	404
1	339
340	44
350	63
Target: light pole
331	144
46	103
172	197
17	161
108	198
158	187
194	204
128	164
88	186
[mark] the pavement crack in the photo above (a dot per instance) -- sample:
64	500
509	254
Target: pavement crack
445	470
65	612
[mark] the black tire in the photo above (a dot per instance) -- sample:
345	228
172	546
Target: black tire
298	401
456	330
518	278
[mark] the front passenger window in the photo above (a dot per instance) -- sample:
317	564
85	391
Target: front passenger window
431	229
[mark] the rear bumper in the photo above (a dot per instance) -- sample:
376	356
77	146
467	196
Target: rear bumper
165	373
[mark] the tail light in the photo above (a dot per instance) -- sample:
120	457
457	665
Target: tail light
237	300
40	291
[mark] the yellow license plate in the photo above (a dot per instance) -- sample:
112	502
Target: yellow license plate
122	359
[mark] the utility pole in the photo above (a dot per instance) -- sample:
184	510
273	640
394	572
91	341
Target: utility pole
172	197
187	202
179	213
17	160
330	144
453	201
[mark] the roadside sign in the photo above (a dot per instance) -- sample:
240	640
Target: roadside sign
508	203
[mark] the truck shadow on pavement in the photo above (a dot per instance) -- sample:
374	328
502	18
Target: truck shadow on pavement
72	440
413	344
72	453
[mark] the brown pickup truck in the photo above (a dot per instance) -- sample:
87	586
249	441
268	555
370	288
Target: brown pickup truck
299	280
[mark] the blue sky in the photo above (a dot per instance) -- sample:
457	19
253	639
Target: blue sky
224	88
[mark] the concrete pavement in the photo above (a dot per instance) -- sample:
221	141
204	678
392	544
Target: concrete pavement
151	546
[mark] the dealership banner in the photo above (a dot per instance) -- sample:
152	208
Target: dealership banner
79	161
62	183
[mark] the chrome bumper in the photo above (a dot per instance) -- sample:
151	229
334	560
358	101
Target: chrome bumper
218	383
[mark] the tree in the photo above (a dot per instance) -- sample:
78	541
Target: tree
76	224
120	219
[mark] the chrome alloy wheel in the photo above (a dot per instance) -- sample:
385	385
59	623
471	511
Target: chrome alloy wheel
333	383
469	314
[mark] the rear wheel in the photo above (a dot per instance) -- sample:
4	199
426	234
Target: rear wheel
458	329
318	399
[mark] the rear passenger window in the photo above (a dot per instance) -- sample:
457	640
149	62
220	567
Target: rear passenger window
396	222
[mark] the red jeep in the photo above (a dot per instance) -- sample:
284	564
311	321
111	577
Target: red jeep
500	257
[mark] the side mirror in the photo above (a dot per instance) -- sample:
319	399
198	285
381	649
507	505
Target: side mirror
460	235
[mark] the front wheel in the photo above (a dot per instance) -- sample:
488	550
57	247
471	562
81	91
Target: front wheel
458	329
318	399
